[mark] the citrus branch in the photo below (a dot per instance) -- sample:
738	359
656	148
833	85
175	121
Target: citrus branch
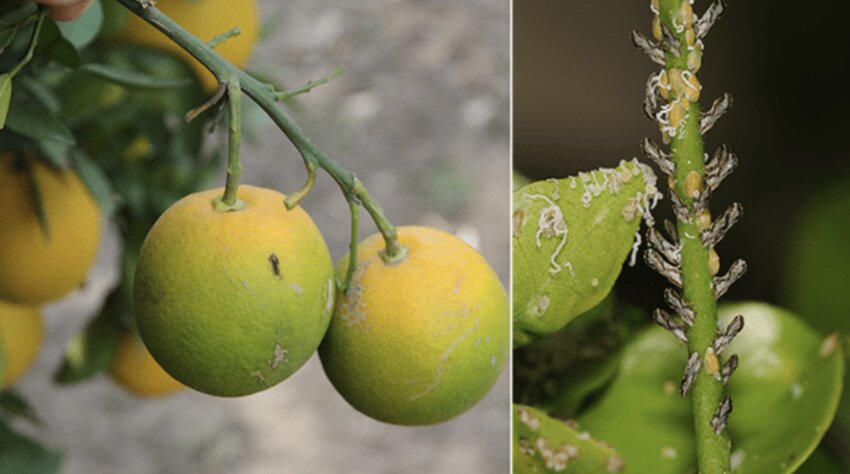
690	261
33	43
266	97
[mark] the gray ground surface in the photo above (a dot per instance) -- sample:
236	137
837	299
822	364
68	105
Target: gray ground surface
421	116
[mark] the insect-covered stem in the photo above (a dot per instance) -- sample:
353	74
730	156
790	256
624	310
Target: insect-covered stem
267	97
673	97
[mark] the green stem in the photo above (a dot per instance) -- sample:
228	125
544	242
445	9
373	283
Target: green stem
310	85
234	140
713	451
266	97
33	43
352	246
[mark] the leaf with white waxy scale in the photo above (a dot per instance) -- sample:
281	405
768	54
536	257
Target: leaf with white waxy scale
545	444
570	239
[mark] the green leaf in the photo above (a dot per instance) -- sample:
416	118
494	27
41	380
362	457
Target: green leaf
52	44
82	31
39	124
519	180
544	444
817	275
785	393
96	180
41	93
559	372
134	78
21	455
5	98
38	201
570	239
92	351
822	462
16	405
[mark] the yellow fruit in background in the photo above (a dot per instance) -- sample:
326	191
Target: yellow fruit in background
136	370
36	267
232	303
21	332
205	19
420	341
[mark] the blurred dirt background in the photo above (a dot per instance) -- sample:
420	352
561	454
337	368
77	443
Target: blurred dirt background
421	115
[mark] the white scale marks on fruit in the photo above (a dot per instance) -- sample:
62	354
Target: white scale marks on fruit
556	459
529	419
296	288
329	295
351	307
441	366
280	355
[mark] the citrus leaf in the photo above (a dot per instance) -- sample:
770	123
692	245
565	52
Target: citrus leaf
16	405
822	462
519	180
570	239
83	30
52	44
816	283
545	444
2	361
38	201
39	124
41	93
5	97
785	393
96	180
22	455
559	372
92	351
134	78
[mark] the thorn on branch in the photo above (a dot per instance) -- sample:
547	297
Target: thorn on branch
723	283
721	416
732	329
714	234
310	85
728	369
691	371
657	241
720	106
649	48
711	15
658	156
675	301
721	165
665	320
668	270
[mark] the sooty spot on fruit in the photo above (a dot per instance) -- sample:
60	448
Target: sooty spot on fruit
275	265
351	308
280	355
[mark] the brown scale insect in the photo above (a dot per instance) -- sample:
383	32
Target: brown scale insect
275	264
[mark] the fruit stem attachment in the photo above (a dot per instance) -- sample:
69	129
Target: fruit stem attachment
266	97
230	200
345	285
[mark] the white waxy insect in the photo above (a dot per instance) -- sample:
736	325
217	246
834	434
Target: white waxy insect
721	165
718	229
718	108
679	208
724	282
657	241
668	270
691	371
649	48
721	416
711	15
665	320
728	369
725	338
658	156
676	303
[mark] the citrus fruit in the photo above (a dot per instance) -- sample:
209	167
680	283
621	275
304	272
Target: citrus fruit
419	341
38	266
21	332
232	303
205	19
136	370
